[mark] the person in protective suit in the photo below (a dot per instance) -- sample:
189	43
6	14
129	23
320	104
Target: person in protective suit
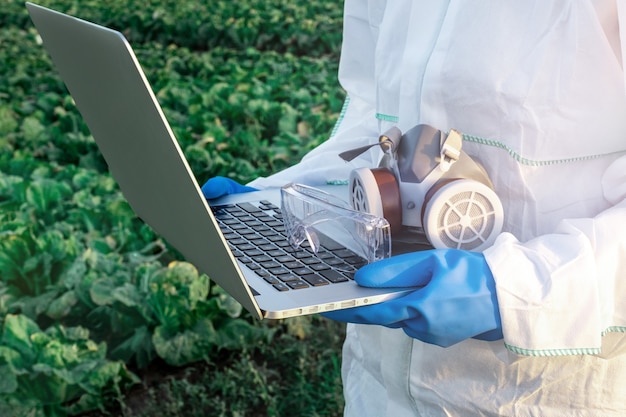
534	325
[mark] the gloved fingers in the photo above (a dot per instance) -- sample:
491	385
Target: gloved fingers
433	339
220	186
446	333
418	329
430	317
408	270
358	317
491	335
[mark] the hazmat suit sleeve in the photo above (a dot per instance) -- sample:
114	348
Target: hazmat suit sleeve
559	293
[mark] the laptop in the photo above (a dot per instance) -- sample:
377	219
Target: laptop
259	270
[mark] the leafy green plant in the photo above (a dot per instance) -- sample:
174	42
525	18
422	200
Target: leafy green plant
305	28
54	372
248	88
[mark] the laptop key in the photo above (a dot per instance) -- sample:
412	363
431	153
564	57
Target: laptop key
333	276
293	265
262	258
310	261
296	285
268	204
281	287
254	252
302	271
344	253
284	243
355	261
270	264
279	271
249	207
319	267
242	215
335	261
267	246
265	219
288	278
315	280
268	232
252	222
272	280
349	274
325	255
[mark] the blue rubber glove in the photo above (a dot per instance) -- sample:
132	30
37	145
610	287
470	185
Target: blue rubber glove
220	186
455	297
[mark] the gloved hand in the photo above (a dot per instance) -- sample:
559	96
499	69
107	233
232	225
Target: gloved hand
454	297
220	186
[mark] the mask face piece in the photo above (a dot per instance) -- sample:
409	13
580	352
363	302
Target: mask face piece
427	186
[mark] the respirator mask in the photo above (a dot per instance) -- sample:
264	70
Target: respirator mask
425	184
426	192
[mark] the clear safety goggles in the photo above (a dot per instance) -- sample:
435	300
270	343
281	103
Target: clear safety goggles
314	216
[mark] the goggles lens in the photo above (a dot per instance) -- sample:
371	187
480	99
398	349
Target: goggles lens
314	216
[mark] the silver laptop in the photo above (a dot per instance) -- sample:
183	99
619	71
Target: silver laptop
112	93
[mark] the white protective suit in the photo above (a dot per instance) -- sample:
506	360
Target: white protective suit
538	88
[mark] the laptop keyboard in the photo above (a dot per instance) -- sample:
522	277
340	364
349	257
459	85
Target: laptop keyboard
257	238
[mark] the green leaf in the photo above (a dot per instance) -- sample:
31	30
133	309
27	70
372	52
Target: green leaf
14	251
101	291
198	289
32	129
76	333
33	306
190	345
127	294
8	182
18	332
72	276
289	120
50	385
181	272
11	358
108	376
33	262
228	304
138	346
8	121
8	380
62	306
44	194
56	355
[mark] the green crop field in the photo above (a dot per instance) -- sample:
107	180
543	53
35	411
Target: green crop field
99	315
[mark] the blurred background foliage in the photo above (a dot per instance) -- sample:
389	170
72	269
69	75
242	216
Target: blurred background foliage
98	315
